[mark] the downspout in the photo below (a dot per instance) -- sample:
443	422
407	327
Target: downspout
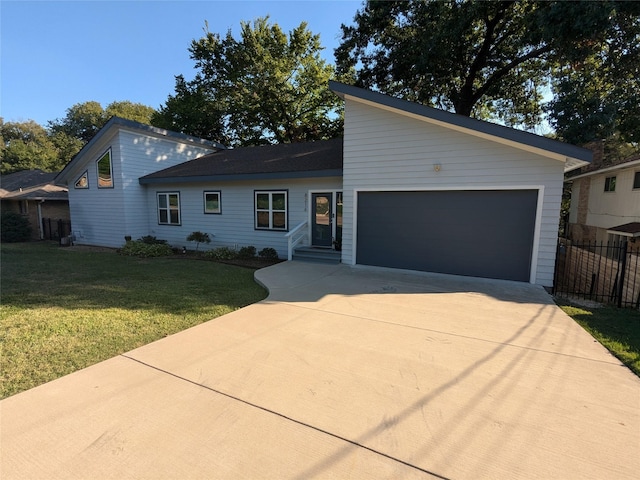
39	204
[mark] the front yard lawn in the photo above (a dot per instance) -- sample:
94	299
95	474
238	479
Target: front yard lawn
63	309
618	329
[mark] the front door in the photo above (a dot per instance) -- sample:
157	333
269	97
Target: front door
321	219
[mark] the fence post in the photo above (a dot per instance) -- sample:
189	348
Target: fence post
622	269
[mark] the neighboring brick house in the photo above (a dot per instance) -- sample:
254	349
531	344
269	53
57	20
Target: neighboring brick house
605	201
32	193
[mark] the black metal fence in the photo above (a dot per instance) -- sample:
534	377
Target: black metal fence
55	229
602	272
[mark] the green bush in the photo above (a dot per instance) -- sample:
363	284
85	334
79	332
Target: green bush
139	248
151	240
247	252
199	238
15	227
221	253
268	252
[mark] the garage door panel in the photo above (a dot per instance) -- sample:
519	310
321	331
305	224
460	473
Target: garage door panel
475	233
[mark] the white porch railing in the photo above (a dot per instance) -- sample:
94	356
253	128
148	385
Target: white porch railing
294	237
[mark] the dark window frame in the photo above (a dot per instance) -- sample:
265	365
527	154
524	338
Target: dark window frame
271	210
110	156
610	184
85	175
168	208
204	200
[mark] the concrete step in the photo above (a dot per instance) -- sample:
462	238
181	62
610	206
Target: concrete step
318	255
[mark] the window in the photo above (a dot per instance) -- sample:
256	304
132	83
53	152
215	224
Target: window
610	184
83	181
212	202
636	181
271	210
105	178
169	208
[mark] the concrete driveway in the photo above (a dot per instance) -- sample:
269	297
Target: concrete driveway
344	373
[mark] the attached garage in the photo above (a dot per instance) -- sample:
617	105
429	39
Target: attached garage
481	233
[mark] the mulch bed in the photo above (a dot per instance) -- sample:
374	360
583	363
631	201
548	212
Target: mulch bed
253	263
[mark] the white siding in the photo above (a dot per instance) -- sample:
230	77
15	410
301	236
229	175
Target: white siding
234	227
389	151
610	209
141	155
103	216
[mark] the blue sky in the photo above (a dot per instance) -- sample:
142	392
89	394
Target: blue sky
55	54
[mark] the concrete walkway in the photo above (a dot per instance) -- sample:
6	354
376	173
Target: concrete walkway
344	373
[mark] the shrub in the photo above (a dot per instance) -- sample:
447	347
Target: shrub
221	253
151	240
247	252
268	252
199	238
15	227
139	248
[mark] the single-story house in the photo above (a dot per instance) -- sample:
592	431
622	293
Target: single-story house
33	194
408	187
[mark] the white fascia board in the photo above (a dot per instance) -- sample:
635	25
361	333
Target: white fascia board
605	170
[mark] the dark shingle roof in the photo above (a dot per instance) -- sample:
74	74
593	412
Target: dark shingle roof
25	179
322	158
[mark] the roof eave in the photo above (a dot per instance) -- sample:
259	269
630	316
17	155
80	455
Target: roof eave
61	178
240	177
620	166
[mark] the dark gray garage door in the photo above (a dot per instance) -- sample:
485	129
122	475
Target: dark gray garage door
475	233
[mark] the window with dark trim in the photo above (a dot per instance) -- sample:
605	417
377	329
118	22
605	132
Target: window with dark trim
636	181
212	202
610	184
169	208
271	210
83	181
103	166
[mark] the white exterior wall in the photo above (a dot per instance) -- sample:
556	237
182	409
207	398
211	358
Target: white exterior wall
103	216
234	227
384	150
610	209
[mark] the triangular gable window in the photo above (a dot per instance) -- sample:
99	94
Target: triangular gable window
83	181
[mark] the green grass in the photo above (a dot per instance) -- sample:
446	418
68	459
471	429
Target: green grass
618	329
63	309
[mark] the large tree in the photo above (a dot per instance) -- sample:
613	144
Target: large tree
264	87
26	146
83	120
483	59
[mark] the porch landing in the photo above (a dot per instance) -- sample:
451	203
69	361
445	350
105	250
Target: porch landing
317	255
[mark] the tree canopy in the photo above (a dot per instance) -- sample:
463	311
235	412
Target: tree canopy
84	120
497	60
28	145
265	87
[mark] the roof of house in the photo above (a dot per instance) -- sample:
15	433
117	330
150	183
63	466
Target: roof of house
609	167
136	126
31	185
628	229
573	156
322	158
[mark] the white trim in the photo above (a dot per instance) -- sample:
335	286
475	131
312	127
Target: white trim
604	170
535	250
334	208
